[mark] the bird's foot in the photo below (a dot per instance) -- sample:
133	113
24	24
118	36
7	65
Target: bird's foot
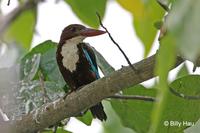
80	87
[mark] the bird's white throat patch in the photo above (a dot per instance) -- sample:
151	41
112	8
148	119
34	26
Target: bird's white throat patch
70	53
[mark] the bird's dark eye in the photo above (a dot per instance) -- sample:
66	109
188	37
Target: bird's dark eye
73	29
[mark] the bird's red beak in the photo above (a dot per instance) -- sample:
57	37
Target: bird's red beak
87	32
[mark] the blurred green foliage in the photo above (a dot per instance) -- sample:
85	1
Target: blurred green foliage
183	24
86	10
163	66
180	109
135	114
145	14
183	71
113	124
22	29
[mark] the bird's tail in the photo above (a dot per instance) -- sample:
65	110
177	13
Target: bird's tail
98	112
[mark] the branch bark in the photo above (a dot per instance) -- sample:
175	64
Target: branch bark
75	102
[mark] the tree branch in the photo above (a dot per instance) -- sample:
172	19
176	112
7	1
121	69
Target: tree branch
89	95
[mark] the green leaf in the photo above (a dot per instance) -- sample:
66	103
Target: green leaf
165	62
22	29
145	14
135	114
86	10
53	90
31	94
105	67
113	124
29	106
30	66
185	27
59	130
48	64
183	71
187	85
193	129
86	118
62	130
180	109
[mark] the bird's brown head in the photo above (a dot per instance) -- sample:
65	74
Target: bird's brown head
75	30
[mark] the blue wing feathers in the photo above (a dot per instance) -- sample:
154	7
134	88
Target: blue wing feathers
92	63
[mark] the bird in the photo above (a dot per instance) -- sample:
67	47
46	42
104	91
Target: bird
77	62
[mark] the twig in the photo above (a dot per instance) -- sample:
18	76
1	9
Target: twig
134	97
8	3
127	59
163	5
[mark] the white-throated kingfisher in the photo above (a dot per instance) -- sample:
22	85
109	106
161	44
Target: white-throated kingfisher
76	61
